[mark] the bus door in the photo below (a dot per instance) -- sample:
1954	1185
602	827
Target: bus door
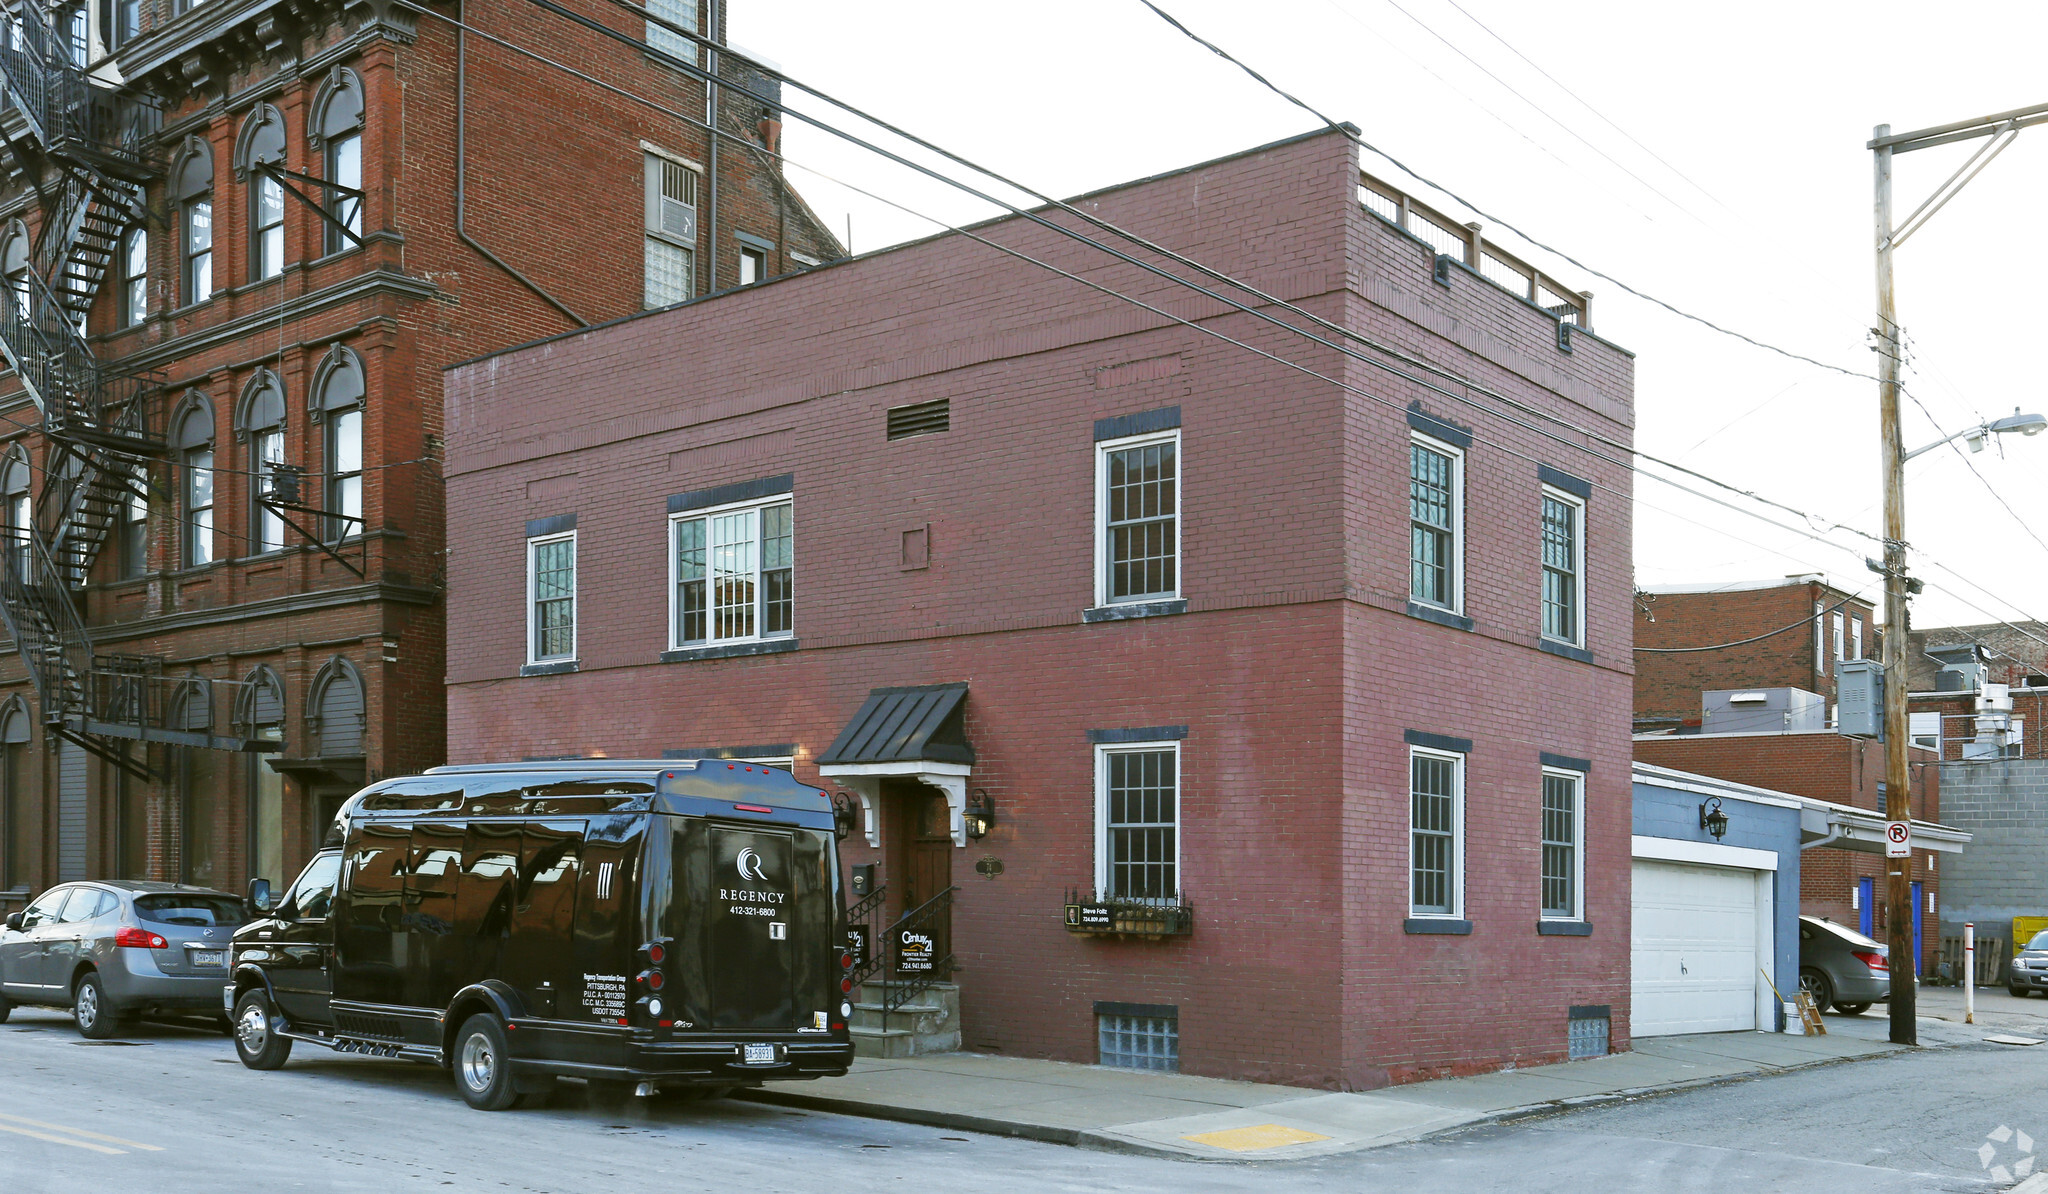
438	954
538	961
750	950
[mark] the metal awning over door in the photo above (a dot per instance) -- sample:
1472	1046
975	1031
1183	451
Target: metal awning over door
917	732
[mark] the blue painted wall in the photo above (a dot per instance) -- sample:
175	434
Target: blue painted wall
1672	813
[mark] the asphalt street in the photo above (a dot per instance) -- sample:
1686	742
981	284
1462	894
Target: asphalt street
174	1112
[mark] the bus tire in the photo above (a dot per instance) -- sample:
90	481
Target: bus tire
483	1069
257	1040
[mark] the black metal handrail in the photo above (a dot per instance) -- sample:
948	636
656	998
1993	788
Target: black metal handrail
920	952
868	914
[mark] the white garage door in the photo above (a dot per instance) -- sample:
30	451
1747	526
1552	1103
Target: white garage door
1693	948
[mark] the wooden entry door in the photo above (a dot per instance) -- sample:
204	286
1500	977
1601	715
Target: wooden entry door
919	846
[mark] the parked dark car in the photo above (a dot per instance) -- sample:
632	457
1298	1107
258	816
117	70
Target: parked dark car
1841	967
2030	966
113	949
642	924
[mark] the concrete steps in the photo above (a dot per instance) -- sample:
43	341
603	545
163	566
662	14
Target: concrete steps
929	1023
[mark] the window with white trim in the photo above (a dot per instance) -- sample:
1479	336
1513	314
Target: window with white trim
1564	566
1435	516
1137	822
733	573
671	231
1856	637
1137	539
1436	832
1924	729
1563	834
551	598
1840	646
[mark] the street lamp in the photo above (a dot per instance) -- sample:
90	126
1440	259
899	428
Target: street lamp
1998	133
1978	435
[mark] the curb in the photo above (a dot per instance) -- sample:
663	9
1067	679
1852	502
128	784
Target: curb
1101	1142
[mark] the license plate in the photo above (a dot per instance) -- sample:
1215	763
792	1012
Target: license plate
209	957
758	1053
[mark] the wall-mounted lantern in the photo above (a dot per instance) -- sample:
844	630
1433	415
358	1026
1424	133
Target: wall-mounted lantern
845	817
1712	819
980	814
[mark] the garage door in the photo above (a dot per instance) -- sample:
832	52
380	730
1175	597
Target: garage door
1693	949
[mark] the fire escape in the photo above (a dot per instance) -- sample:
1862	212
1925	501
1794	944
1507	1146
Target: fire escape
82	147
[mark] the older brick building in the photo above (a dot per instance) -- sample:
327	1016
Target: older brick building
1306	761
1828	624
243	238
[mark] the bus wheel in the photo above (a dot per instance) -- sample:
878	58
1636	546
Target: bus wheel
483	1071
257	1041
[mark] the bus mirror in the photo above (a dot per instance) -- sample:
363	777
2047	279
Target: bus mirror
260	902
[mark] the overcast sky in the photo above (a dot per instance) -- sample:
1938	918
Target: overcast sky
1732	182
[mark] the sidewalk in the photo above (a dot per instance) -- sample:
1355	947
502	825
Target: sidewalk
1178	1115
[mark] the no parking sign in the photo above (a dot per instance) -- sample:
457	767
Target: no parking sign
1898	839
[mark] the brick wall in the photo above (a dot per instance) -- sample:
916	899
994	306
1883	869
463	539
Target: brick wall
1668	686
1296	667
553	184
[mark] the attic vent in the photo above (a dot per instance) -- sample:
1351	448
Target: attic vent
924	418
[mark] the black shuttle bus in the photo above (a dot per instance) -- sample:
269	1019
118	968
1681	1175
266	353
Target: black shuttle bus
658	923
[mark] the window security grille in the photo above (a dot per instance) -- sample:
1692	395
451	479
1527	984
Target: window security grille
1139	1042
678	202
923	418
1587	1036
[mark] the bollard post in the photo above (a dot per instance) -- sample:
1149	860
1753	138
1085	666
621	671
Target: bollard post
1970	973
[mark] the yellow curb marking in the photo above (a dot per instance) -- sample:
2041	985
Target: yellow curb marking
33	1123
1244	1140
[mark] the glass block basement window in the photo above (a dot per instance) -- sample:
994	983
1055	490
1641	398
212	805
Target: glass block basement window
1588	1034
1139	1042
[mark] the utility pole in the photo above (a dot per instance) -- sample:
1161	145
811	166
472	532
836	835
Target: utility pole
2001	129
1897	800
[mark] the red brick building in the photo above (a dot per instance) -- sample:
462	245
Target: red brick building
1272	680
243	240
1828	624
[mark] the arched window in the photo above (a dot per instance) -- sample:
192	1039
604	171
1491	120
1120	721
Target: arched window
259	714
192	439
338	393
337	129
192	188
14	491
14	246
262	143
201	811
260	422
135	276
134	524
334	708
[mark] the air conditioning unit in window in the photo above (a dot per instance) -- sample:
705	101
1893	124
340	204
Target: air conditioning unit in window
678	220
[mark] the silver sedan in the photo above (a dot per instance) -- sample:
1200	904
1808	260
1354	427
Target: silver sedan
113	949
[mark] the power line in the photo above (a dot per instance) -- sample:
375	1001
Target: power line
1348	131
1583	103
1744	642
1512	90
690	68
